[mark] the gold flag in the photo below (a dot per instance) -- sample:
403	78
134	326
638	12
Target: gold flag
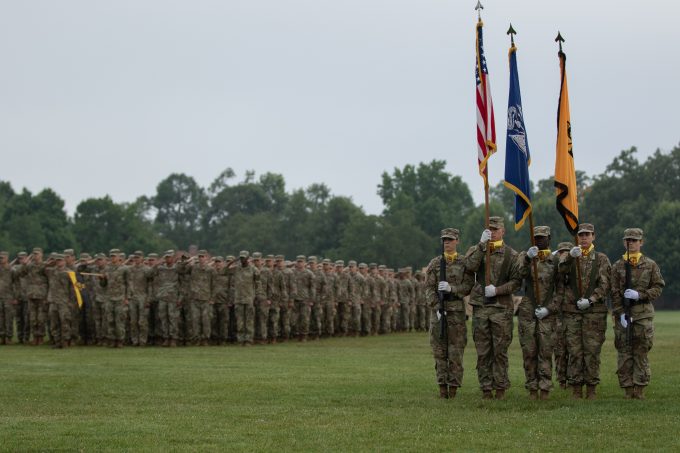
77	286
565	174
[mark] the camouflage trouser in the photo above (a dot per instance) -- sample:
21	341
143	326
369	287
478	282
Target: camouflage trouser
200	319
560	351
60	321
284	316
366	318
329	313
412	315
421	317
8	312
344	314
23	326
98	315
405	317
219	330
261	318
87	325
139	321
75	321
396	315
355	315
536	340
492	332
168	316
153	322
585	336
375	318
632	362
293	319
245	322
449	372
303	312
37	315
316	321
115	315
273	320
190	321
386	318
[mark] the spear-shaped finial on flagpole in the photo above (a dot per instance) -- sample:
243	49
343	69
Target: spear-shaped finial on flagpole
479	9
512	33
559	39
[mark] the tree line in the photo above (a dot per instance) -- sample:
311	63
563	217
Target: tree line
259	213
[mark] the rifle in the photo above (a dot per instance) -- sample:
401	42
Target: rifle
443	324
627	303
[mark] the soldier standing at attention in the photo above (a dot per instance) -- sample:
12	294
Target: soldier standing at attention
366	300
201	277
458	283
262	302
116	281
561	285
585	311
645	286
23	330
316	322
220	321
139	275
343	289
60	299
279	298
328	299
537	314
8	299
493	307
166	283
355	297
246	283
303	296
405	293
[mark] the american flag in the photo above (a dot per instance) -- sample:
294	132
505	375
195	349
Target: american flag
486	126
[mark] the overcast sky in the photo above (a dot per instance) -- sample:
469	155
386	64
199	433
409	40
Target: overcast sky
110	97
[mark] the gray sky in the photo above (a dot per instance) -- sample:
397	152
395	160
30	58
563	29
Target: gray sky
110	97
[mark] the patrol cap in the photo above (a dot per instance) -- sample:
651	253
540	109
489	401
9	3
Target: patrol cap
565	246
496	222
3	253
22	255
218	259
382	267
352	263
152	255
58	256
257	255
541	231
312	259
280	258
202	253
231	258
243	254
362	266
37	250
450	233
52	256
85	256
100	256
114	252
326	261
586	228
169	253
633	233
340	263
269	257
300	258
138	253
69	252
372	265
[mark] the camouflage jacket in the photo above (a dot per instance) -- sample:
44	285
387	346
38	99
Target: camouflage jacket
279	289
267	283
60	287
328	295
595	275
357	288
165	283
246	283
36	280
291	286
8	288
304	283
116	281
199	279
320	285
343	287
138	281
504	275
460	279
405	291
392	291
221	286
645	278
547	277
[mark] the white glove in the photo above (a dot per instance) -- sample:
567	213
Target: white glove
624	321
439	315
541	312
575	252
583	304
490	291
631	294
444	286
486	236
532	252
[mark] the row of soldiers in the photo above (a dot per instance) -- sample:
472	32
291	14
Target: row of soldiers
567	295
175	299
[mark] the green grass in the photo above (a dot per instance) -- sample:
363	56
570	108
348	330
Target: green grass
374	393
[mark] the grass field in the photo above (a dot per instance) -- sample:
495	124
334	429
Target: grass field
375	393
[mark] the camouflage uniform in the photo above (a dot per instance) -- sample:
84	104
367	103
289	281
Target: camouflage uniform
8	301
560	350
201	297
356	297
246	283
185	330
343	291
263	302
220	320
98	300
60	296
279	299
316	323
286	307
366	300
421	304
166	284
492	321
116	281
23	326
632	363
382	292
405	294
304	296
393	302
327	299
139	276
585	329
536	336
36	293
449	369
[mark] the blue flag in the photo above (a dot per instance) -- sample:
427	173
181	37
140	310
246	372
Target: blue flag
517	157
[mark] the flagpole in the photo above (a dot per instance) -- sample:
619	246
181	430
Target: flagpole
559	39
